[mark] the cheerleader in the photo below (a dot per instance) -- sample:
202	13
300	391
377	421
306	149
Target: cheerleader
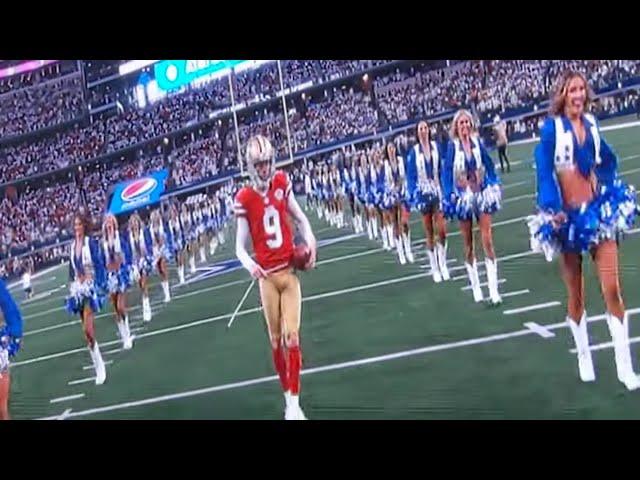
10	341
118	280
141	261
175	229
471	189
308	189
350	187
226	211
189	233
161	250
198	223
87	281
327	195
424	190
583	210
207	223
214	226
376	172
394	175
338	194
316	182
366	198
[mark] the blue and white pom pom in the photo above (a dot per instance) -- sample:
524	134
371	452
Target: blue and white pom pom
118	281
466	205
581	231
617	207
79	294
491	199
145	266
9	344
389	200
449	207
543	236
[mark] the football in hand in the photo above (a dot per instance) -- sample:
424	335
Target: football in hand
301	255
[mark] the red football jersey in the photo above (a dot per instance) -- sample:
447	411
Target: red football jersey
269	224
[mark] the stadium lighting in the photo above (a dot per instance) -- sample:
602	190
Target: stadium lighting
134	65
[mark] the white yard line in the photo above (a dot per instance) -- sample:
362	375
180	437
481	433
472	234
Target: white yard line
539	329
537	306
67	398
253	310
329	367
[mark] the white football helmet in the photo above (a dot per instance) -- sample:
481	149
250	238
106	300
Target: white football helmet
259	149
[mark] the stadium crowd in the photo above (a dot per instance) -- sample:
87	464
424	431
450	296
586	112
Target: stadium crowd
38	215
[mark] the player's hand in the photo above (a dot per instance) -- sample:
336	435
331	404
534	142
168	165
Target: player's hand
257	272
312	257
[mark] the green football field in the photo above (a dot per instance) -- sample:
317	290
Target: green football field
380	340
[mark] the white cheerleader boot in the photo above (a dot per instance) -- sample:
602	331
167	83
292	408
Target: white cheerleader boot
624	366
441	251
181	274
435	270
146	309
492	280
165	289
406	242
400	250
581	338
474	281
98	364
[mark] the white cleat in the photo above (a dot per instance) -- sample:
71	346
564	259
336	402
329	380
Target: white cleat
294	413
127	342
101	375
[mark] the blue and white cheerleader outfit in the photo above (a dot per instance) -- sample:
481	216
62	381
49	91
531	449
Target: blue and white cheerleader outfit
482	193
392	186
89	291
175	230
141	254
11	331
117	281
160	241
610	213
188	229
424	179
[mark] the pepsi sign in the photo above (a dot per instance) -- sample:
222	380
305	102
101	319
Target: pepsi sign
138	189
138	193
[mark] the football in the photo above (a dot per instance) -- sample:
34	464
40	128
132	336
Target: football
301	254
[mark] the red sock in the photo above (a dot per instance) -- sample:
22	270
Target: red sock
295	362
281	366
